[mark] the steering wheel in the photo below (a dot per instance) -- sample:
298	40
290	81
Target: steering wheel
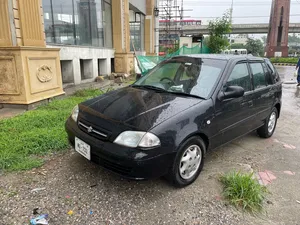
166	78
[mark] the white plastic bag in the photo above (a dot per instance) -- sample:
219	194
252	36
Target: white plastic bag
296	72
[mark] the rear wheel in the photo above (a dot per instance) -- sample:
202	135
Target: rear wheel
268	128
188	162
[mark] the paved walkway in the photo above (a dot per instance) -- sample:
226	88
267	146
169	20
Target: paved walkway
10	112
69	90
287	74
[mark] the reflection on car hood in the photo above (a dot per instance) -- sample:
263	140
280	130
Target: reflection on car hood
139	108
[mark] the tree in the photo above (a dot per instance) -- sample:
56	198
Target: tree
264	39
218	28
162	48
293	39
237	46
205	41
173	49
255	46
292	51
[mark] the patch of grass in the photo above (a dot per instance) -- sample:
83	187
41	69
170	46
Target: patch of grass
241	190
24	139
130	82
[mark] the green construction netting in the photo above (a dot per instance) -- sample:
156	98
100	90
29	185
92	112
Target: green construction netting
148	62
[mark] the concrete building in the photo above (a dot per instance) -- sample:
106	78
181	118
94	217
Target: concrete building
239	39
190	41
69	41
97	37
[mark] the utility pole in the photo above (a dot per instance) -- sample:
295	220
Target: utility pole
231	13
181	18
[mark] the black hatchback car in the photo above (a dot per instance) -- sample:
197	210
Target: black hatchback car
165	122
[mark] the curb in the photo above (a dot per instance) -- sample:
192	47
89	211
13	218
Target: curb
284	64
290	82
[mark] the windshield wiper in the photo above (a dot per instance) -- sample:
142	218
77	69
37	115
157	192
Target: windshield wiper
150	87
186	94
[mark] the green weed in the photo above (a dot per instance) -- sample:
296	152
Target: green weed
241	190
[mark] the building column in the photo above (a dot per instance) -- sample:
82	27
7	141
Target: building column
76	71
150	23
29	72
105	66
95	70
277	41
121	36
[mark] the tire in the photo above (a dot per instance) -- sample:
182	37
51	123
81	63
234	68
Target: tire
196	147
264	131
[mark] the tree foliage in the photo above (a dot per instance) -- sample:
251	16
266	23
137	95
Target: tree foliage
294	39
237	46
255	46
218	29
264	39
205	41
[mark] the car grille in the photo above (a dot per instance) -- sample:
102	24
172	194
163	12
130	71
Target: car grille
121	169
93	130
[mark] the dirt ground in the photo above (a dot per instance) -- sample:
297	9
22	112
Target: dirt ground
97	196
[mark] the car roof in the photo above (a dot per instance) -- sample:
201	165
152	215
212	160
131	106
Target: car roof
222	57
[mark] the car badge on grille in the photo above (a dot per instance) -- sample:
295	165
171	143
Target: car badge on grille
90	129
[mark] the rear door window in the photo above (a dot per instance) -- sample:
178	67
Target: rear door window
259	78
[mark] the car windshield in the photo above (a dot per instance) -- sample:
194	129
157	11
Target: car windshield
189	76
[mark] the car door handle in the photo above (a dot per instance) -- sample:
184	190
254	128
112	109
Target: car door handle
272	89
247	103
243	103
250	103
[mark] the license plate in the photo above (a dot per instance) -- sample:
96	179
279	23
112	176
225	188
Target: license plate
83	148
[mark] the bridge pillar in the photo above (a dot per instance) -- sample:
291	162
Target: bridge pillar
277	41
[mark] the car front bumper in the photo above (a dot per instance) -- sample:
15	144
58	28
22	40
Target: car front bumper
129	162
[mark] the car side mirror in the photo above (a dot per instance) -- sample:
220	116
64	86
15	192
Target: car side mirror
231	92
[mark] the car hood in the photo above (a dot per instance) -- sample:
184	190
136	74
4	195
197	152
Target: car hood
138	108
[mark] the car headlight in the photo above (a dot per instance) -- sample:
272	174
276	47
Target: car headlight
137	139
75	112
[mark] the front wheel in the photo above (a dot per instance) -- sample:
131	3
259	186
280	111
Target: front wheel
268	128
188	162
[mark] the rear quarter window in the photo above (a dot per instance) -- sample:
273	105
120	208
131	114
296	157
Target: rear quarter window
268	74
272	69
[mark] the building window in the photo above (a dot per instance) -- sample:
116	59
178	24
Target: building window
137	29
107	24
78	22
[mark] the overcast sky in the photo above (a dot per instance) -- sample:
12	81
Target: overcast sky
244	11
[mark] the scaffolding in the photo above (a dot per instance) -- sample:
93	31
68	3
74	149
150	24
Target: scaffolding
171	13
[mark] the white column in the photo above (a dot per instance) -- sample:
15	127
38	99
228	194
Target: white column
95	70
76	71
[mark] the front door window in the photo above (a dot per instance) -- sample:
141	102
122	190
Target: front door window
240	77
